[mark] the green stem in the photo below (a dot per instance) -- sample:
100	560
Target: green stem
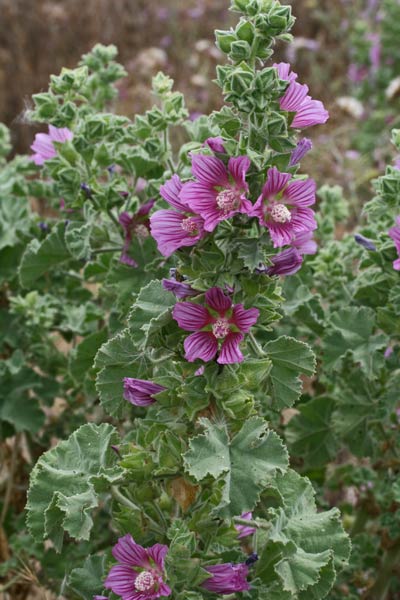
359	522
110	249
255	345
10	482
390	561
119	497
252	523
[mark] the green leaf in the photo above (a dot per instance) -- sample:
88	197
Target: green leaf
246	463
77	239
66	480
39	258
303	546
17	404
116	359
81	358
352	335
310	433
151	312
301	570
289	358
87	581
251	252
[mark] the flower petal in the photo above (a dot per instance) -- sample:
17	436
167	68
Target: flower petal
294	96
201	344
311	112
301	193
158	553
216	299
230	351
121	579
166	228
209	170
128	552
170	192
244	318
238	167
275	183
190	316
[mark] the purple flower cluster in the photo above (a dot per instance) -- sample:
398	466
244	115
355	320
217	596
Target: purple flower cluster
140	573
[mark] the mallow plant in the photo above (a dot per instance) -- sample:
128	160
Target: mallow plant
177	233
345	432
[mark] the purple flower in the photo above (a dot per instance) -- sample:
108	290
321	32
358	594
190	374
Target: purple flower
304	243
300	151
182	226
375	50
181	290
388	352
216	144
227	578
283	207
137	224
287	262
309	112
365	242
245	530
218	321
139	574
43	145
141	392
219	192
394	233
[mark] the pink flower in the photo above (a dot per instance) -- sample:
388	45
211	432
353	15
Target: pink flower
245	530
219	192
173	229
141	392
283	207
304	243
394	233
137	224
287	262
139	574
216	144
43	146
218	321
179	289
309	112
227	578
300	151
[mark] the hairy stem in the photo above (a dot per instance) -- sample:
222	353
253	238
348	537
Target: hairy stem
10	482
380	589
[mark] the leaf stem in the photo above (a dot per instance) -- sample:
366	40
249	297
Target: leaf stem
255	345
252	523
380	589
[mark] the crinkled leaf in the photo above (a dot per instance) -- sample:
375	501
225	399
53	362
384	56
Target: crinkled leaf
289	359
310	433
88	580
246	462
39	257
150	312
116	359
353	334
66	480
